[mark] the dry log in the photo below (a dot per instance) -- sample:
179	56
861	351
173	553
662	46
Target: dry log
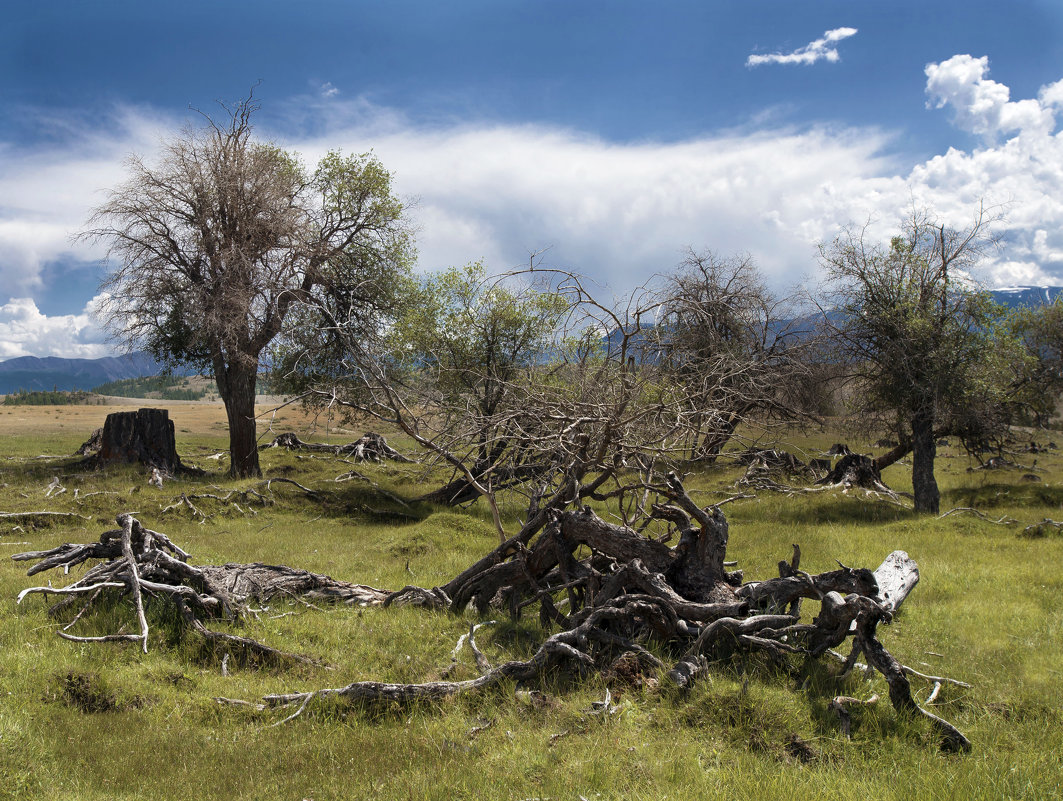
896	578
632	587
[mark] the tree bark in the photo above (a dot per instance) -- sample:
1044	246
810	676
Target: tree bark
236	385
924	450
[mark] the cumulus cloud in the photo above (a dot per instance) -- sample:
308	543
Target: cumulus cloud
25	331
1024	171
621	212
983	106
822	49
46	193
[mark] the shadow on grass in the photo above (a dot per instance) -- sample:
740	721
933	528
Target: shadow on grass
839	508
989	496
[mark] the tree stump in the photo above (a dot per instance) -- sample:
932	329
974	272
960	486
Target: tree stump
145	436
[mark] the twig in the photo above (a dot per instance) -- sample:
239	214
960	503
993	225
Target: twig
297	712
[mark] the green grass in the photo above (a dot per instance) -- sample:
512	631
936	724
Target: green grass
88	721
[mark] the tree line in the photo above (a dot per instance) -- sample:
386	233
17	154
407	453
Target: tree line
229	253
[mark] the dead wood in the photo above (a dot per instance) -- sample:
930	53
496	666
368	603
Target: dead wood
1003	520
370	447
1042	528
42	516
609	592
145	436
841	706
92	444
147	567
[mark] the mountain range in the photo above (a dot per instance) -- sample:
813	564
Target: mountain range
50	372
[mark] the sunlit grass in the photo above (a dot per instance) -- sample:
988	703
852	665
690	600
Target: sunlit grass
987	611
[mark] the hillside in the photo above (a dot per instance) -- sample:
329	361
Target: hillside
50	372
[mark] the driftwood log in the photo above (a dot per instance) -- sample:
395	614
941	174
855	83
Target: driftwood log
606	590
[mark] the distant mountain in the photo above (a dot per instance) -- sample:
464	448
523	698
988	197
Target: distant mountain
50	372
1015	296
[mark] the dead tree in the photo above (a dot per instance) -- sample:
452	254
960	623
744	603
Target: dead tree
601	423
632	589
608	590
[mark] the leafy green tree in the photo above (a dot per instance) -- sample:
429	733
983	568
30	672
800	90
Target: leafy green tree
212	247
1040	381
468	338
926	348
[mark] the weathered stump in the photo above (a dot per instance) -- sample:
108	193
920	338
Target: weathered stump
145	436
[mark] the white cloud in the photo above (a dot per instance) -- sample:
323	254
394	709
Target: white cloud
623	212
1025	171
983	106
616	212
46	194
24	331
819	50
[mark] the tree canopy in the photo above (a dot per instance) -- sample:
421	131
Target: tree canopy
213	244
926	346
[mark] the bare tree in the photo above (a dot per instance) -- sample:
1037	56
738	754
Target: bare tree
734	345
213	245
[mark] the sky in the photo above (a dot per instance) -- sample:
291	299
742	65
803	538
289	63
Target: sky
607	136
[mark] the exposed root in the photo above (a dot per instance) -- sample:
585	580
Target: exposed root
146	564
370	447
606	591
631	588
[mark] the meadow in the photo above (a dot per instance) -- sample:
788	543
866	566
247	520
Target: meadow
105	721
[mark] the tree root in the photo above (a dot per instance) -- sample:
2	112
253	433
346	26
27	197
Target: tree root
631	589
147	565
370	447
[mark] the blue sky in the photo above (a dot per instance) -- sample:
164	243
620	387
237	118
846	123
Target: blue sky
613	134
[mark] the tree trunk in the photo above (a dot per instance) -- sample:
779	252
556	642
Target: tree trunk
924	449
145	436
236	385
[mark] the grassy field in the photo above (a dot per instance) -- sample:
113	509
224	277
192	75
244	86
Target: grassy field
104	721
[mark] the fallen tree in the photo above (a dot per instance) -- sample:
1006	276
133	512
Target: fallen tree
613	594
